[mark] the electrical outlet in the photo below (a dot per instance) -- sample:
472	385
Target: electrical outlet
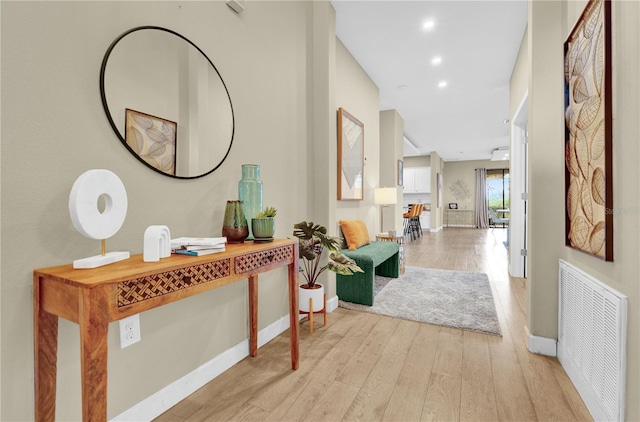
129	330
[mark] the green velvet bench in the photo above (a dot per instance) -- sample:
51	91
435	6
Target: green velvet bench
376	258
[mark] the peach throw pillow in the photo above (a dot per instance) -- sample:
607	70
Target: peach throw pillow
355	233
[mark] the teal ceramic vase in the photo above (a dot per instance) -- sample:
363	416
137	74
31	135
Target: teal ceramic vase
250	192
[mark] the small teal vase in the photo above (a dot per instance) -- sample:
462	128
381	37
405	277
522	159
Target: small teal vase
250	192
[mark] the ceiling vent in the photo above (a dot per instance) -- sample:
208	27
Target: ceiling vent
500	154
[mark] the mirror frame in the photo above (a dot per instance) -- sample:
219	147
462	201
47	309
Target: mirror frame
113	124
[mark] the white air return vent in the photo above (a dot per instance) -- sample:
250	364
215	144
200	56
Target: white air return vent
592	339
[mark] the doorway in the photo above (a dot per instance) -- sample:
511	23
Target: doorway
519	188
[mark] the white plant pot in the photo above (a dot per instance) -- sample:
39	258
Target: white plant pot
316	294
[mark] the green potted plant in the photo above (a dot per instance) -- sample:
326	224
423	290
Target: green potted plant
263	225
313	241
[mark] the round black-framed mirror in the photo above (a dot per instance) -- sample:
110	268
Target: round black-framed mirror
167	102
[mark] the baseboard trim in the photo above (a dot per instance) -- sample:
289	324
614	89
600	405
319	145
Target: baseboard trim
436	230
332	304
541	345
161	401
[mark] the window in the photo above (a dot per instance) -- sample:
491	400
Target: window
498	189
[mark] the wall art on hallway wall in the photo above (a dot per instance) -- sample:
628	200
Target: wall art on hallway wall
588	141
350	156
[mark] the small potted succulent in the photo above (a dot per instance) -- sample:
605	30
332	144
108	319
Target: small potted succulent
263	225
313	241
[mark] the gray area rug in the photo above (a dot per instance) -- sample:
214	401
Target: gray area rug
454	299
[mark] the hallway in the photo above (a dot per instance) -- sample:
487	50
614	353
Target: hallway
368	367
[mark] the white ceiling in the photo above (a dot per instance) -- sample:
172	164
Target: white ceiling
478	42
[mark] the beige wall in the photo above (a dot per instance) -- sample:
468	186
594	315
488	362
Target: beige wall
519	82
437	210
460	179
419	161
321	161
391	145
549	25
343	84
356	93
283	70
546	132
54	129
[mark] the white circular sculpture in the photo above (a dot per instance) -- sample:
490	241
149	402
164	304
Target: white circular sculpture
89	220
83	204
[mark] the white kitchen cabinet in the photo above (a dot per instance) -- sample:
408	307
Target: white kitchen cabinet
425	220
423	179
417	179
409	180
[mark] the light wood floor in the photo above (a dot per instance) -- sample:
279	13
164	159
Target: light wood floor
371	368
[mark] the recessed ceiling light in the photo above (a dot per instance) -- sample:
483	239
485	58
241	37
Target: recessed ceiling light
436	60
429	25
442	84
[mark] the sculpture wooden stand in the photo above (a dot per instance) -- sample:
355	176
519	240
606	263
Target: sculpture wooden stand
311	312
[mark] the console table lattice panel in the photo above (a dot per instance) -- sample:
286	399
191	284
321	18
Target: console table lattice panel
250	262
144	288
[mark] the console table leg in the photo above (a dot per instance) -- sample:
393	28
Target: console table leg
311	315
324	310
294	309
253	316
45	356
94	327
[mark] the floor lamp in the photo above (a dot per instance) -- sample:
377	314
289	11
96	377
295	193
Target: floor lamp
384	197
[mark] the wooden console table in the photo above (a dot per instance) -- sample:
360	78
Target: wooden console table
459	218
95	297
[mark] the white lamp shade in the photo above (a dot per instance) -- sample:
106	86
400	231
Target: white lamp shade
385	196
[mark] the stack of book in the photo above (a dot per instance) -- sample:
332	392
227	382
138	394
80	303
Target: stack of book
197	246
